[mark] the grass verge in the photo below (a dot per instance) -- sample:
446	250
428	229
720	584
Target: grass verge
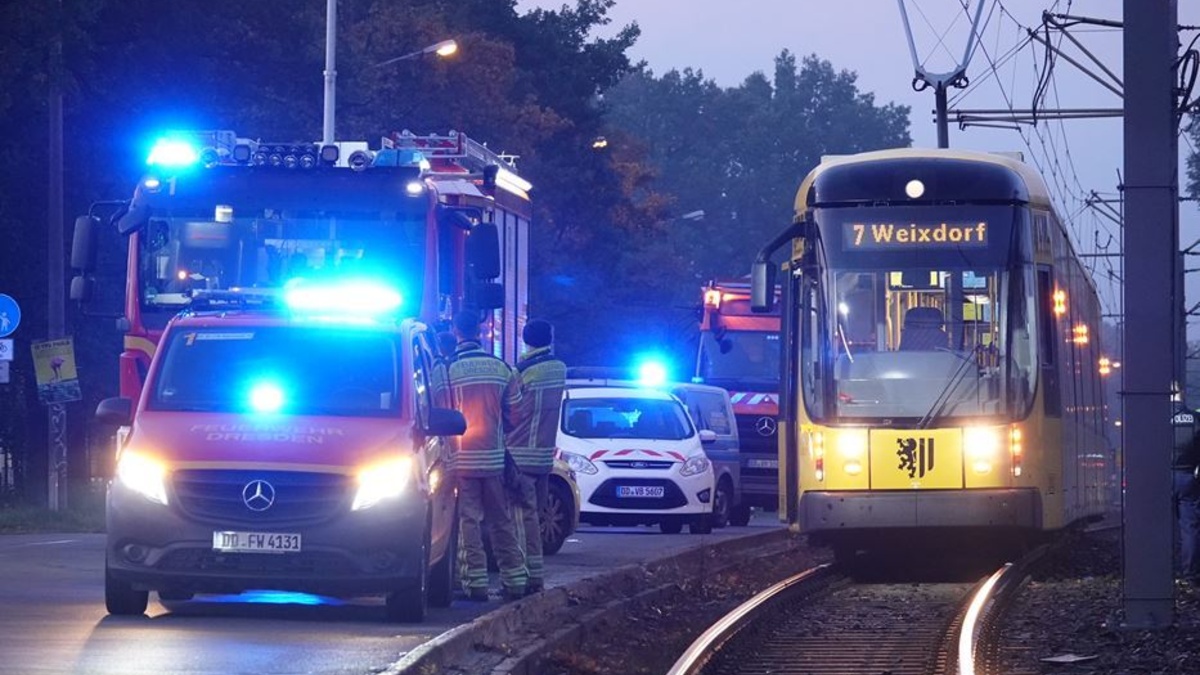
85	514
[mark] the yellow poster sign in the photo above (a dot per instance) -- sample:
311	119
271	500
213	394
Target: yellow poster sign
54	367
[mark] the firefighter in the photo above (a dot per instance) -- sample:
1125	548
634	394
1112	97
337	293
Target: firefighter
532	440
486	389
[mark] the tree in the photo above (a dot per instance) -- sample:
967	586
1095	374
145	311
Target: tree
739	153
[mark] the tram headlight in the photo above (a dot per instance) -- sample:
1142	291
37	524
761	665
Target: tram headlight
982	447
852	449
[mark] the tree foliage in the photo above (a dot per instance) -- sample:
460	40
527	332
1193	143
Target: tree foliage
739	153
613	265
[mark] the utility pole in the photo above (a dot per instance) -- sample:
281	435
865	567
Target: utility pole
56	266
1153	326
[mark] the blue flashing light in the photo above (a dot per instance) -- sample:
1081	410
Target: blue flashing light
173	153
652	373
266	397
343	298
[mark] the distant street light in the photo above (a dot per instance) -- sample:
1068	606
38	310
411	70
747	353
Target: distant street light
693	215
443	49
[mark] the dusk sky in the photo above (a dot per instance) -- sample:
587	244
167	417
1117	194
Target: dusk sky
728	41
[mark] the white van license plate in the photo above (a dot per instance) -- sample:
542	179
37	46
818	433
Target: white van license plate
641	491
256	542
762	464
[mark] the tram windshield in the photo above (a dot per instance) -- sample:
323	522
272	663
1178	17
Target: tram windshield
920	333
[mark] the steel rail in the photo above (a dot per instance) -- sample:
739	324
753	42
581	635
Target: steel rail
698	654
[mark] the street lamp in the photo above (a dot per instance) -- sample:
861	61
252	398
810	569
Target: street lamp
443	49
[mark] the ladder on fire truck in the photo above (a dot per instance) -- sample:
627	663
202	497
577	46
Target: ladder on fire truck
453	152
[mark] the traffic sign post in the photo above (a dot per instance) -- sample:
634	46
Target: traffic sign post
10	315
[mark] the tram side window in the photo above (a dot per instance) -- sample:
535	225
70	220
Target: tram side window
812	331
1048	342
1024	342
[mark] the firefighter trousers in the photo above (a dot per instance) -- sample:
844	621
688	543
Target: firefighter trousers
482	502
527	509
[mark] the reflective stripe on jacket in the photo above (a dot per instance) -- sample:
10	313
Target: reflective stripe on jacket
535	420
486	390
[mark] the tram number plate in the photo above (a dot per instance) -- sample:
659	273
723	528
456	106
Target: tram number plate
641	491
762	464
256	542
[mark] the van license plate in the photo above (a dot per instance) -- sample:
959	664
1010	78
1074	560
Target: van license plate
256	542
641	491
762	464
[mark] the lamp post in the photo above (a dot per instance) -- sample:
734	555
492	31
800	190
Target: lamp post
443	49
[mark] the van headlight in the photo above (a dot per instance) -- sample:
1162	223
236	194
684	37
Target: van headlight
579	463
694	466
382	481
144	475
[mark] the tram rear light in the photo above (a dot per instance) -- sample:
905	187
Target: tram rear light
1016	450
817	440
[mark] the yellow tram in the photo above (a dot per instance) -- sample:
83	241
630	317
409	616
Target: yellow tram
941	353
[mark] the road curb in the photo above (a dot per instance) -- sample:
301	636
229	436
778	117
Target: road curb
500	631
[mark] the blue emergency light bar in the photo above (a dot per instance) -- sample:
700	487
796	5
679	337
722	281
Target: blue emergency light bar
358	298
652	372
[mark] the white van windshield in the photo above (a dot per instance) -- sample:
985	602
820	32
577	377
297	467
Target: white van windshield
655	419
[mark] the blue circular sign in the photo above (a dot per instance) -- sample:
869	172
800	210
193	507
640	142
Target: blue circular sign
10	315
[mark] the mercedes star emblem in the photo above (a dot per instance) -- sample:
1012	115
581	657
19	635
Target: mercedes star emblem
765	426
258	495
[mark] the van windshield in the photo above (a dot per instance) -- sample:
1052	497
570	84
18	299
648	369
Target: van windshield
278	370
654	419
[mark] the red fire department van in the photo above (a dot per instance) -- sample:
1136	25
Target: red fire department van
285	440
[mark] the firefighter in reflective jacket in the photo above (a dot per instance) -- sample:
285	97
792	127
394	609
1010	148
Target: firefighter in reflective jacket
532	440
486	390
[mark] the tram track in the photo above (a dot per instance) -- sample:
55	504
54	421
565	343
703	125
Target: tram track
823	620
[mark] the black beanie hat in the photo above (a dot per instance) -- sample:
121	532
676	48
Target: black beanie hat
538	333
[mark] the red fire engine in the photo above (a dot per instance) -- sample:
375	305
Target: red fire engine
441	217
739	351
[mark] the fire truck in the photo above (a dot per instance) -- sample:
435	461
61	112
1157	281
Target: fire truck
279	423
739	351
440	217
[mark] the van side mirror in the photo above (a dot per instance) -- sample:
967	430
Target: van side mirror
483	250
707	435
81	288
489	295
117	411
762	286
446	422
83	244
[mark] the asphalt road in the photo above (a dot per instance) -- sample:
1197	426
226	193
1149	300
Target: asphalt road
52	617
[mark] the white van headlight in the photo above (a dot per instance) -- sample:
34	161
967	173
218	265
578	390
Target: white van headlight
144	475
579	463
694	466
382	481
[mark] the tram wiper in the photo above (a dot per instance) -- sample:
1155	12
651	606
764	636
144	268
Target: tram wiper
943	399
